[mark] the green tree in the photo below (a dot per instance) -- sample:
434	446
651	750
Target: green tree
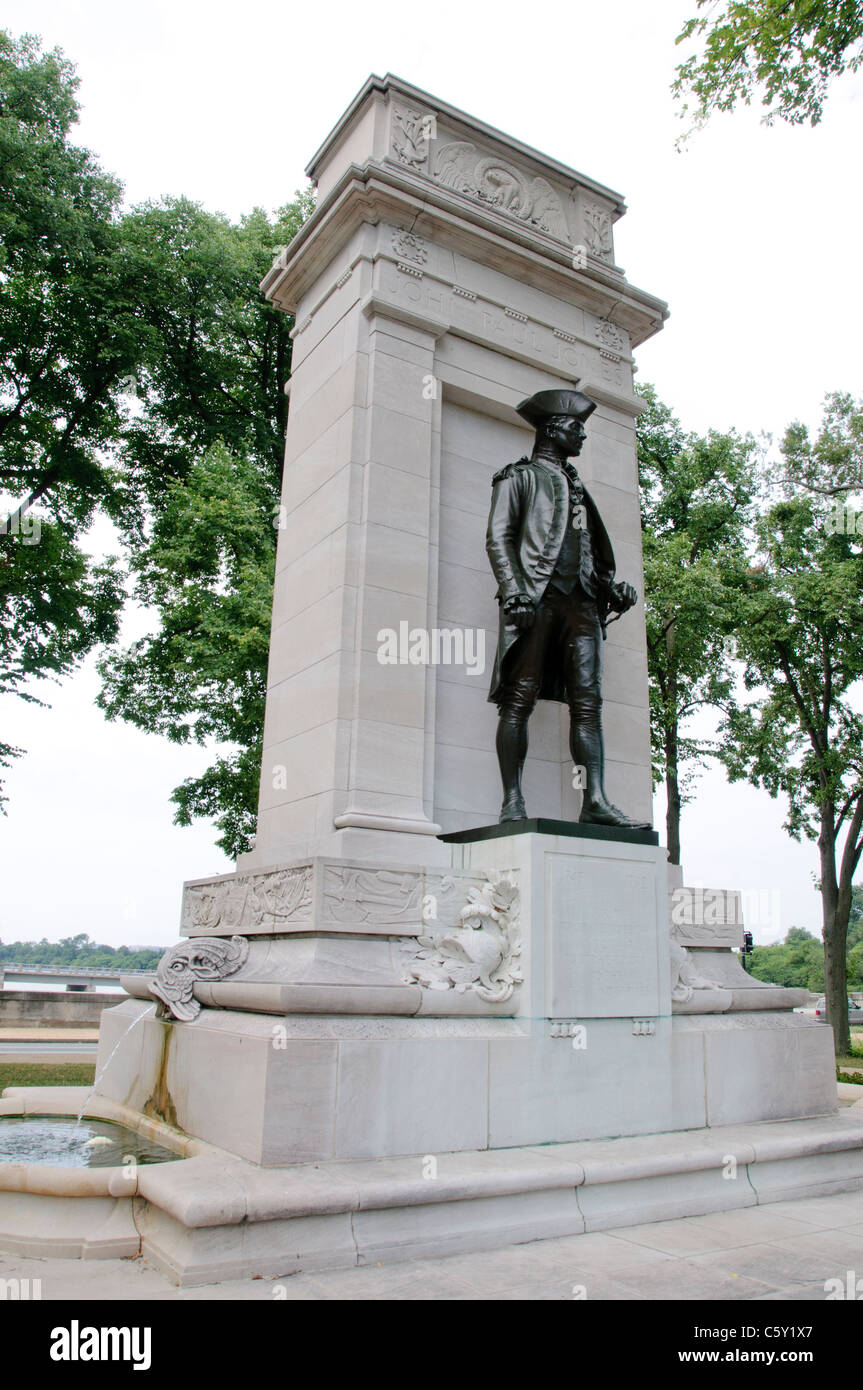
796	963
203	458
696	495
56	604
855	916
78	950
67	338
143	376
784	52
214	354
800	637
795	934
831	464
207	570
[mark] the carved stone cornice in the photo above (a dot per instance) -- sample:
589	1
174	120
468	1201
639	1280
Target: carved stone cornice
380	192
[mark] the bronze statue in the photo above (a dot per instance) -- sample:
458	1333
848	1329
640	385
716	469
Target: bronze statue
554	566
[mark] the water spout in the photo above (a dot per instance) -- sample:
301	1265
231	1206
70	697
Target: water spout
148	1012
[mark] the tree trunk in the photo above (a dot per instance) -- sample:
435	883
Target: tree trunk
834	932
672	784
672	811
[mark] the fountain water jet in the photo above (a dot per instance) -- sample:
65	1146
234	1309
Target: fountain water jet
114	1050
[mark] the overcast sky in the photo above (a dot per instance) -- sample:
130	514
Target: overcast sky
751	236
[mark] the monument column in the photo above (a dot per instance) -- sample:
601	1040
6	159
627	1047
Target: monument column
389	781
447	273
348	740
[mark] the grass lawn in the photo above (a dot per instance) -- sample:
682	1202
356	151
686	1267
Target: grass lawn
47	1074
849	1069
853	1060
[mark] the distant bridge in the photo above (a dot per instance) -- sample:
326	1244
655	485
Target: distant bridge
75	978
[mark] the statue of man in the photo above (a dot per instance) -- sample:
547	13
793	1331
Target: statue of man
554	567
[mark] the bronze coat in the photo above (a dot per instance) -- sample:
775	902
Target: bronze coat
526	527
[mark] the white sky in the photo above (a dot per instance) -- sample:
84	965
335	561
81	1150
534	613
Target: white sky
750	235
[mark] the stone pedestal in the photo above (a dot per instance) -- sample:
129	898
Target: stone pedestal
598	909
520	999
523	997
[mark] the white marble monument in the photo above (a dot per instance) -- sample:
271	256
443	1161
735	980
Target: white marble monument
445	993
385	1042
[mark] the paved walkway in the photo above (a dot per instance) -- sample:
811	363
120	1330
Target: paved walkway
783	1251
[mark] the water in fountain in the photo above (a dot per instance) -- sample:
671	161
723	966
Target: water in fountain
58	1139
147	1013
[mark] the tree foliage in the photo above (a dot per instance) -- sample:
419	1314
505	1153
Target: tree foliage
67	336
79	951
206	569
831	464
696	496
214	355
142	377
55	605
796	963
203	455
783	52
800	637
67	333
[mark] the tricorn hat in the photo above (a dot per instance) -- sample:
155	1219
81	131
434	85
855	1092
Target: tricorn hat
537	409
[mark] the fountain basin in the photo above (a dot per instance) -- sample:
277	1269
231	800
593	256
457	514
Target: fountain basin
53	1209
59	1140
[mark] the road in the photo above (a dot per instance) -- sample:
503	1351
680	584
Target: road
67	1050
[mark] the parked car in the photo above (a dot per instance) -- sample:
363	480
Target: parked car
855	1011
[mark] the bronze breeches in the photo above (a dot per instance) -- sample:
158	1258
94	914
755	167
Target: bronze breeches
566	630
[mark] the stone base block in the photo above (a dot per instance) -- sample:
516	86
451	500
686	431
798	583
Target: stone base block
213	1216
73	1228
760	1066
202	1223
306	1089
